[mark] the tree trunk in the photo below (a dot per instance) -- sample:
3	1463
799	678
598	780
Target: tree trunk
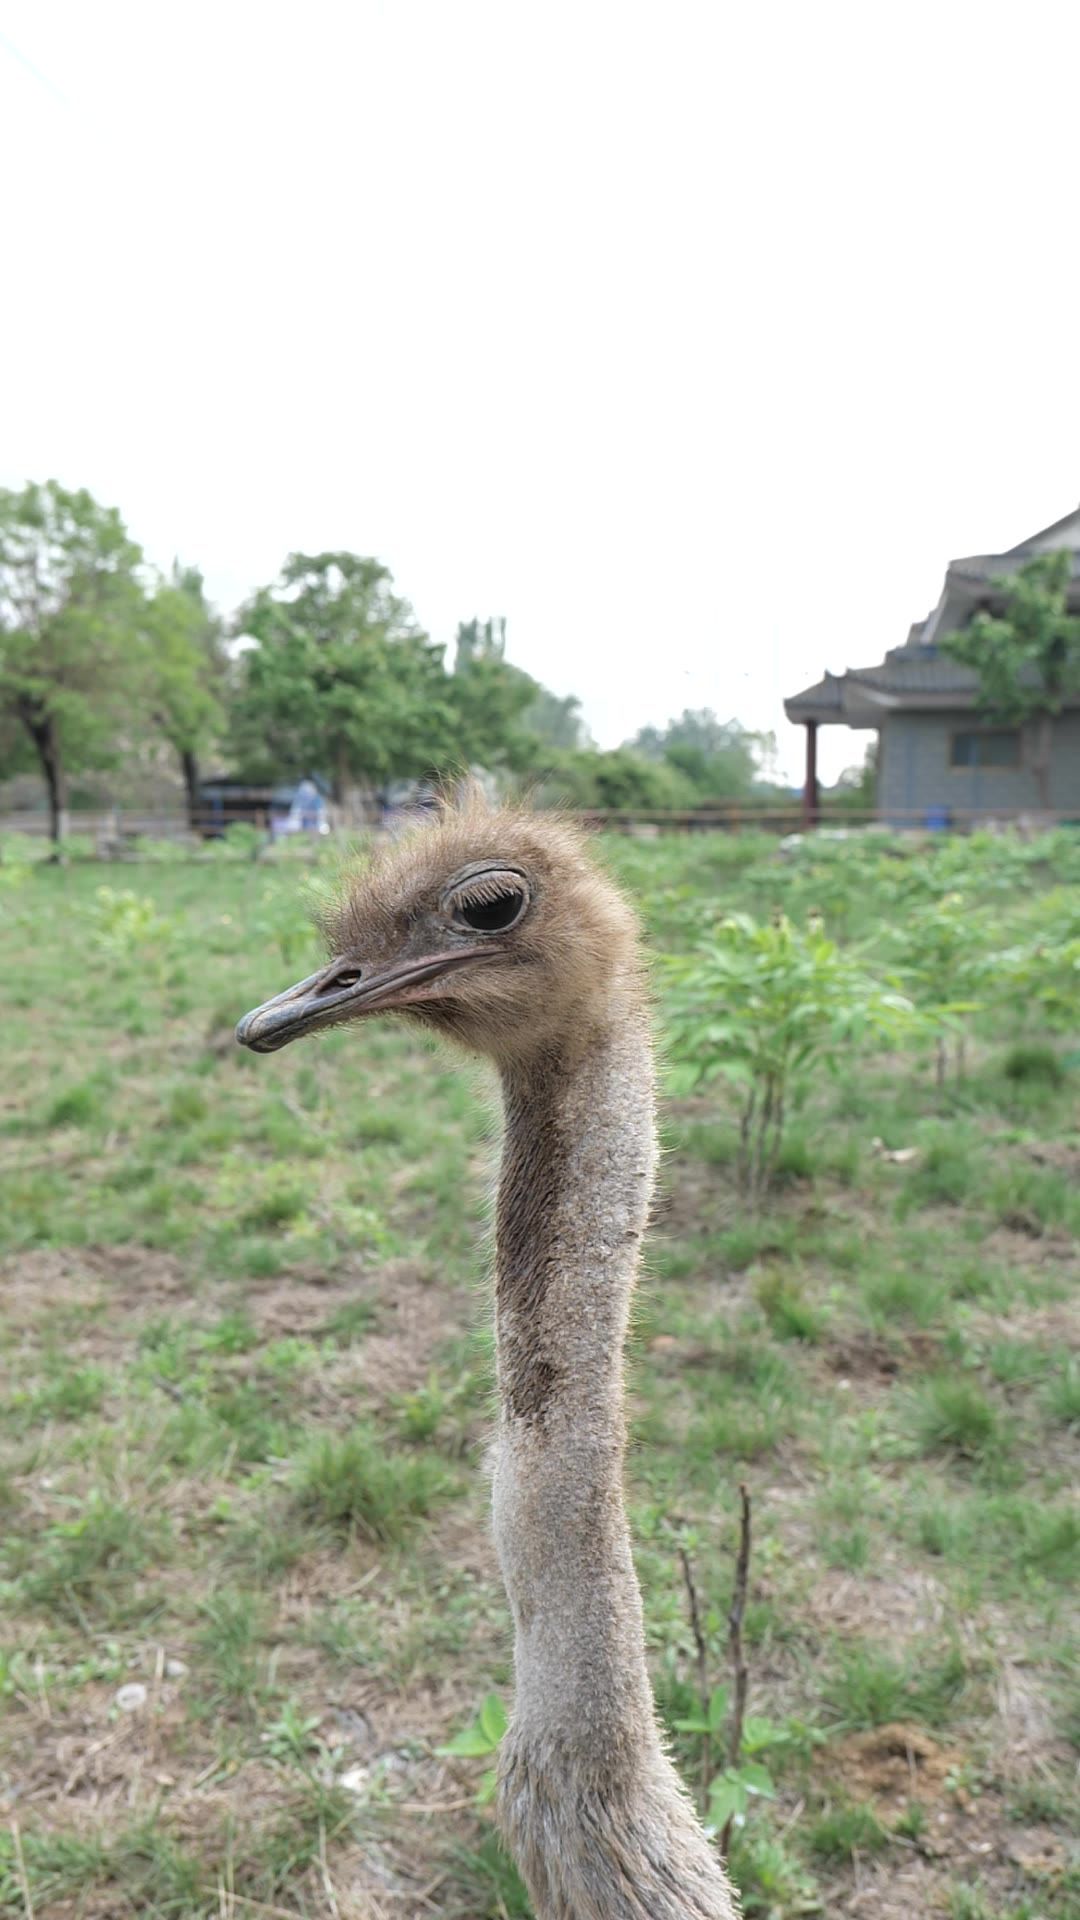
43	732
1040	760
190	769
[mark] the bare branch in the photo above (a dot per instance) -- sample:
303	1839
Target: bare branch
735	1645
702	1669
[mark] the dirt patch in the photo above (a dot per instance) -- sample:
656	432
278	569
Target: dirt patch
1054	1325
1059	1154
1024	1241
863	1356
906	1604
890	1767
412	1315
44	1282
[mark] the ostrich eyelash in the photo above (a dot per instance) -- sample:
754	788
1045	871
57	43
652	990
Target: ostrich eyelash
481	893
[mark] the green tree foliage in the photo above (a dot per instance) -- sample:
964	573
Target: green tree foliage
186	671
539	723
340	679
718	759
621	779
1027	658
490	699
71	654
554	720
856	788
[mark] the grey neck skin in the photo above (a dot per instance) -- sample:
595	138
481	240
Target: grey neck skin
589	1802
577	1172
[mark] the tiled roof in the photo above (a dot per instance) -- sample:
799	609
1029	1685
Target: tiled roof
898	674
826	693
920	673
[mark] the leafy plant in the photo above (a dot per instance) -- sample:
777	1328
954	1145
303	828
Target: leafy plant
292	1736
481	1737
125	922
762	1006
945	960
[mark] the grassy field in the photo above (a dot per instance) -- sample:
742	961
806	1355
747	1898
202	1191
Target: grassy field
245	1574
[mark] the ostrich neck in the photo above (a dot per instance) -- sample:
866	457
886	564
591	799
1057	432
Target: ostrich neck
574	1190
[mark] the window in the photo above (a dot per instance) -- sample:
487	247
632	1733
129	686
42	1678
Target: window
998	749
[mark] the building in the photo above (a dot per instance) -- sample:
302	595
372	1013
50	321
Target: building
940	756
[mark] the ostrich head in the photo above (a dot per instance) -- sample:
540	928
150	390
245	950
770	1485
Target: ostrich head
489	926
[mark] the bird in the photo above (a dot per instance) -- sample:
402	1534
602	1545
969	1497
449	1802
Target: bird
494	928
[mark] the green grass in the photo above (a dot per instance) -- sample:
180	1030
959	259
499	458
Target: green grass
868	1686
356	1481
246	1390
842	1832
951	1414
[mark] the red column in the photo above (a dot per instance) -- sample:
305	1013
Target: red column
810	786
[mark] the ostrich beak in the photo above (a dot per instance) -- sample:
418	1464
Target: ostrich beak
343	990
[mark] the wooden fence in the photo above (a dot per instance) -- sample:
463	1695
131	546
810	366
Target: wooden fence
127	826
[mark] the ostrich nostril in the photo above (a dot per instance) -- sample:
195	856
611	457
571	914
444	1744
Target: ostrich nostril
349	977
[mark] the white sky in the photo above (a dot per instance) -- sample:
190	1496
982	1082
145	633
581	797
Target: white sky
695	338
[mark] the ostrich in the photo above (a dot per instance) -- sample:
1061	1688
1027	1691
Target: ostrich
494	929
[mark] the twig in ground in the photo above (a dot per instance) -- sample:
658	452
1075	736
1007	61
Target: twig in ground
20	1868
324	1873
735	1645
702	1669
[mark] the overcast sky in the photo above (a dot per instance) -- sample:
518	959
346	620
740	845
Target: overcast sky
693	338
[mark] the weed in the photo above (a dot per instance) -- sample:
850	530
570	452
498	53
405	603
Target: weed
187	1106
841	1832
868	1687
912	1822
968	1903
349	1322
486	1883
903	1293
946	1175
1062	1397
850	1549
70	1394
279	1853
234	1333
292	1736
279	1200
789	1313
77	1106
951	1414
771	1879
228	1645
1033	1061
85	1566
353	1480
421	1414
1017	1363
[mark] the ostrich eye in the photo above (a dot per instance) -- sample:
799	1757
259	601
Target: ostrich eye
492	905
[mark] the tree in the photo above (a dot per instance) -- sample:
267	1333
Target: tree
621	779
340	680
71	654
186	672
856	787
537	718
718	758
554	720
1028	658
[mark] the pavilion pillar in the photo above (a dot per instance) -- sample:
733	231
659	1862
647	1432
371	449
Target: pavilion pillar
810	783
